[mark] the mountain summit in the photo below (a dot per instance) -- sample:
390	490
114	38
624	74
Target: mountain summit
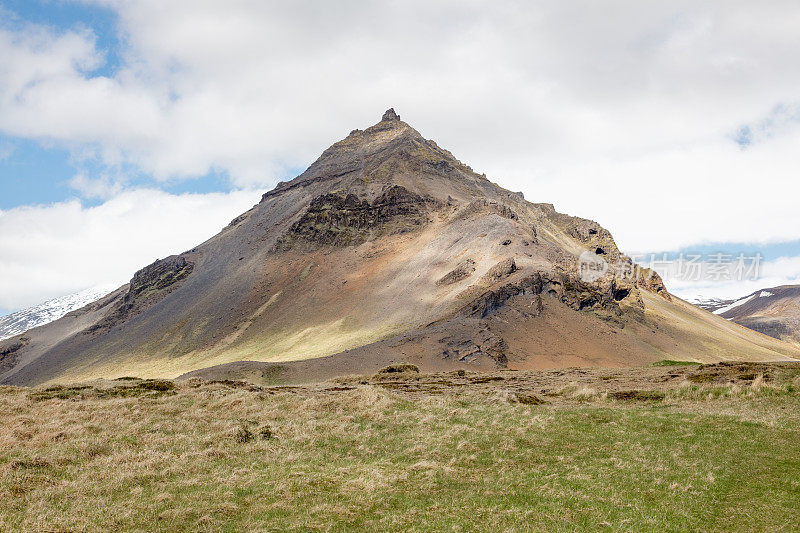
386	249
390	115
389	153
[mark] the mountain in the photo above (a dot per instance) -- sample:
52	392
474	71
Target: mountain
774	311
44	313
386	249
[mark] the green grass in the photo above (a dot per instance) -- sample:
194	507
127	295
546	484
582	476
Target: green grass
217	458
671	362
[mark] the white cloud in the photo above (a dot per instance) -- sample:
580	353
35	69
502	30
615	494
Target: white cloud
622	111
585	105
781	271
103	187
709	191
58	249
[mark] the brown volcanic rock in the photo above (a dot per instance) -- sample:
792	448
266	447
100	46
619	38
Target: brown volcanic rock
345	220
386	249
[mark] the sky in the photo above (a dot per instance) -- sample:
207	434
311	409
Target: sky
134	129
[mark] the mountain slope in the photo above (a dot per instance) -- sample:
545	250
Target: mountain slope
774	311
21	321
386	248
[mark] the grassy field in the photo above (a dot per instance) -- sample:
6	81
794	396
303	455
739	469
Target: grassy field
202	456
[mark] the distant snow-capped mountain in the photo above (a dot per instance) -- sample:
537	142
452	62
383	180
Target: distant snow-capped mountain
22	321
774	311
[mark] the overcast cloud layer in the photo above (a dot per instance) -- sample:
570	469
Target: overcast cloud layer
671	123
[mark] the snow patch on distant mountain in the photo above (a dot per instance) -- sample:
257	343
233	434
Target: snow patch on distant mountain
710	304
737	303
22	321
719	306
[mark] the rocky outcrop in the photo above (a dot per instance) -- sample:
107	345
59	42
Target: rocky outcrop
483	206
390	115
462	271
473	345
650	280
158	276
491	300
8	352
501	270
335	219
603	298
484	344
147	287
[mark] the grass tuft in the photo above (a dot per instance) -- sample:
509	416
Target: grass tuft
244	435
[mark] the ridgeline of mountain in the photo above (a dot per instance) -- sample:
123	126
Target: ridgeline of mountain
774	311
386	249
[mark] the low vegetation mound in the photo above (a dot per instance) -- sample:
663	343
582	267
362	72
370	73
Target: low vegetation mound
122	388
399	368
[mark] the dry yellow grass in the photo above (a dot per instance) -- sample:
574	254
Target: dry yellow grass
214	456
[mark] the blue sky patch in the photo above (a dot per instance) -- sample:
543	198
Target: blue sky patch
63	15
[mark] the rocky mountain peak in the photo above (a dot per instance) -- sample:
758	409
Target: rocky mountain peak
388	153
390	115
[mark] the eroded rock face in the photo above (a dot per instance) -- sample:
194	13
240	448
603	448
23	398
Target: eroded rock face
501	270
492	300
569	289
462	271
159	275
482	206
147	287
8	352
650	280
335	219
484	344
